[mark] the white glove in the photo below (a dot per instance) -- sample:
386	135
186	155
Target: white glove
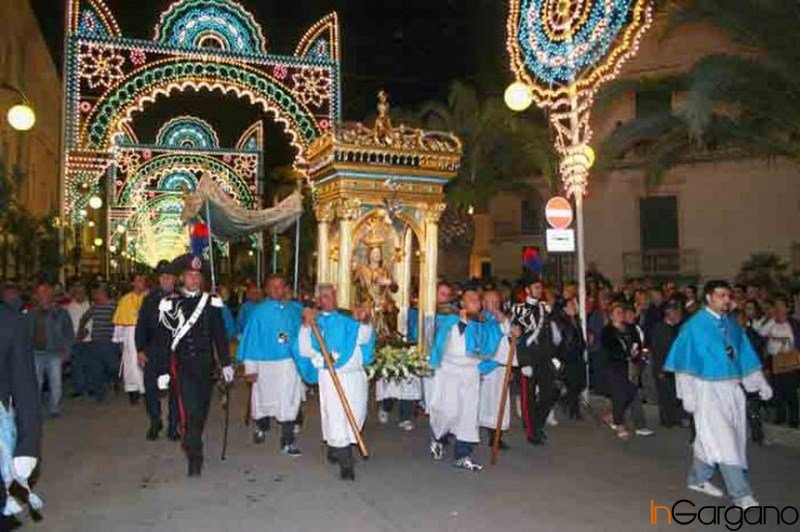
556	363
318	361
765	393
334	356
227	374
527	371
163	382
23	467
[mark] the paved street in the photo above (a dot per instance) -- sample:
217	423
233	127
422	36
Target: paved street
99	474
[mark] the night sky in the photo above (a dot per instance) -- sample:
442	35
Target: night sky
411	48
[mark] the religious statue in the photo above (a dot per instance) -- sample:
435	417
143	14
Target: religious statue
375	285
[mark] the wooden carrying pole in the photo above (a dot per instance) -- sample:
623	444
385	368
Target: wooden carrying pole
351	418
512	351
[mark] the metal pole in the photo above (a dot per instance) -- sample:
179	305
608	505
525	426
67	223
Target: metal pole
582	286
296	256
274	251
211	248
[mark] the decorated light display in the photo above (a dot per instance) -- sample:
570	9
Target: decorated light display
198	45
563	51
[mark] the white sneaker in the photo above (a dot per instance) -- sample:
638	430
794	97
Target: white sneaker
551	419
383	417
746	502
467	464
437	450
708	488
644	432
297	429
406	425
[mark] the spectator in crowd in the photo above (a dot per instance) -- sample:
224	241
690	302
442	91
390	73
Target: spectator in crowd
101	354
662	337
783	340
51	334
572	348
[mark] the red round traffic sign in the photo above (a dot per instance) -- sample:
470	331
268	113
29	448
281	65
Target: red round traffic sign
558	212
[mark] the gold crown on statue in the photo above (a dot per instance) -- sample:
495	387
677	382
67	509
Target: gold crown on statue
373	234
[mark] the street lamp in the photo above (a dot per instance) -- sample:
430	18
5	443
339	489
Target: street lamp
95	202
21	116
518	96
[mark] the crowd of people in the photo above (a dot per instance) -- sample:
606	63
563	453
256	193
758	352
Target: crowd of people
164	338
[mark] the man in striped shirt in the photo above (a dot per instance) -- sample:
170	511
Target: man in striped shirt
101	353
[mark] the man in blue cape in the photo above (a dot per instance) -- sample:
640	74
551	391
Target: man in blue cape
714	364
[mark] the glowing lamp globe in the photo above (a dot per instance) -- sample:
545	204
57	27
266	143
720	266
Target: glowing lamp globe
121	229
518	96
98	242
21	117
95	202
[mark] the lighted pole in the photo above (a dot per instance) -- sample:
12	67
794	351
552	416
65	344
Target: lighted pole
561	52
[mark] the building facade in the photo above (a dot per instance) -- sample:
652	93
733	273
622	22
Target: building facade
706	217
29	159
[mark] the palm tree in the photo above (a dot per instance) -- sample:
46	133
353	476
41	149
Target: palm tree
502	150
743	101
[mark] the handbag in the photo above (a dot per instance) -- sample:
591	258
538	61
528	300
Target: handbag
786	362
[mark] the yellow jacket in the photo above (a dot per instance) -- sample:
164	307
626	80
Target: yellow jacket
127	313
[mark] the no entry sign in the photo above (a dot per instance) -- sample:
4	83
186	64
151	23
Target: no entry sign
558	212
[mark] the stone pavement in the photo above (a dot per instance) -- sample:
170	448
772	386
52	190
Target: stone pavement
99	474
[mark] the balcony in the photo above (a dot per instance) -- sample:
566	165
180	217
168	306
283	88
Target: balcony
661	263
509	231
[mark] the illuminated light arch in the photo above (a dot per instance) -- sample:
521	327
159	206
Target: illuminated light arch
213	45
188	23
91	18
321	41
187	132
178	181
252	138
272	96
163	165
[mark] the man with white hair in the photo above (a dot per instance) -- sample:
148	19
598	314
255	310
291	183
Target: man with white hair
350	341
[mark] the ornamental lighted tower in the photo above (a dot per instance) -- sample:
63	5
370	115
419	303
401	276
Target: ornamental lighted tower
561	53
386	181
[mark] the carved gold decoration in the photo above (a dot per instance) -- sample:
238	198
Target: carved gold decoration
324	212
348	209
432	213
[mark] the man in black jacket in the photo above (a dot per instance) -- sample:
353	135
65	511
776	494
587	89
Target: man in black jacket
662	336
197	336
18	385
152	344
536	353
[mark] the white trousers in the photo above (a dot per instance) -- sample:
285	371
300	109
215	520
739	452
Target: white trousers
454	402
132	374
336	430
490	396
277	391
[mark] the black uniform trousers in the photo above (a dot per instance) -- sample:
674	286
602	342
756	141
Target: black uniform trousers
157	365
786	385
669	411
541	391
194	385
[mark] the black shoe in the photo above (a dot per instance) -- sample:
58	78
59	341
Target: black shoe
133	397
174	435
347	473
75	395
538	438
503	446
195	467
259	436
154	430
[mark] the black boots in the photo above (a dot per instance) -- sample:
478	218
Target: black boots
195	466
344	457
154	430
503	446
133	397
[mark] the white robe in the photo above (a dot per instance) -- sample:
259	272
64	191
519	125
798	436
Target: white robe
409	389
492	387
132	374
278	389
455	392
720	416
336	431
